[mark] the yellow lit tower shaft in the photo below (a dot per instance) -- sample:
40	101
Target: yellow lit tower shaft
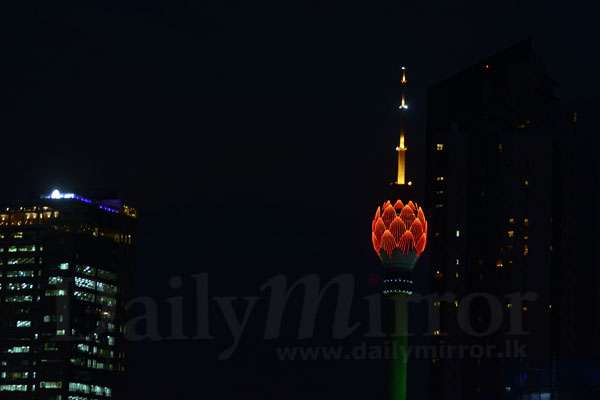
401	148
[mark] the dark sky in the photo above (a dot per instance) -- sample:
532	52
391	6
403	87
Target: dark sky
254	137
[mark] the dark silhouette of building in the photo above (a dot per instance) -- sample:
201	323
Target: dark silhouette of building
492	179
66	264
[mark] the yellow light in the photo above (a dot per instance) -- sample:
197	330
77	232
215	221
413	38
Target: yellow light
401	173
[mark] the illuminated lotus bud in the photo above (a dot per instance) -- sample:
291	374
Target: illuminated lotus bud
399	233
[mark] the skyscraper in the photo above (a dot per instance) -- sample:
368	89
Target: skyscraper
491	177
65	267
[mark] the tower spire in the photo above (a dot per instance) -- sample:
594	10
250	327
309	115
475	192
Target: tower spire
401	148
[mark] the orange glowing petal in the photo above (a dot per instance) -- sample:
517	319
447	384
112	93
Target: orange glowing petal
388	215
398	206
406	243
407	215
416	228
421	244
375	242
421	215
412	205
388	243
377	214
379	229
397	228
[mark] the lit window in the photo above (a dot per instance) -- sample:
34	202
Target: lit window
439	178
23	324
51	385
525	250
500	147
19	286
13	388
526	183
511	220
526	222
53	293
457	233
55	280
511	233
18	349
499	263
19	299
439	146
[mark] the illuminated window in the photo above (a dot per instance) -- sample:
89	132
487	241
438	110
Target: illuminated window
23	324
439	178
86	270
525	250
84	296
13	388
525	222
19	274
63	266
439	146
27	248
85	283
499	263
21	260
526	183
19	286
511	234
457	233
500	147
51	385
18	349
53	293
19	299
511	220
55	280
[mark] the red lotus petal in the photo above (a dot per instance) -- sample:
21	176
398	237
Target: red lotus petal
388	243
412	205
398	206
377	214
379	229
375	242
421	244
406	243
416	228
388	215
397	228
421	216
407	215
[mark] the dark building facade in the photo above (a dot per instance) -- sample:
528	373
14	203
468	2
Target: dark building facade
492	180
65	267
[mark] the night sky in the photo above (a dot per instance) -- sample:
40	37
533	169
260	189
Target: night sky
253	137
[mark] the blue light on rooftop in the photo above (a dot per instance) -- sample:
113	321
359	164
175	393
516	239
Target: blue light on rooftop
57	195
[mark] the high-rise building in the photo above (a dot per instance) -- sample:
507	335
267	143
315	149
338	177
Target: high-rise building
491	180
65	267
